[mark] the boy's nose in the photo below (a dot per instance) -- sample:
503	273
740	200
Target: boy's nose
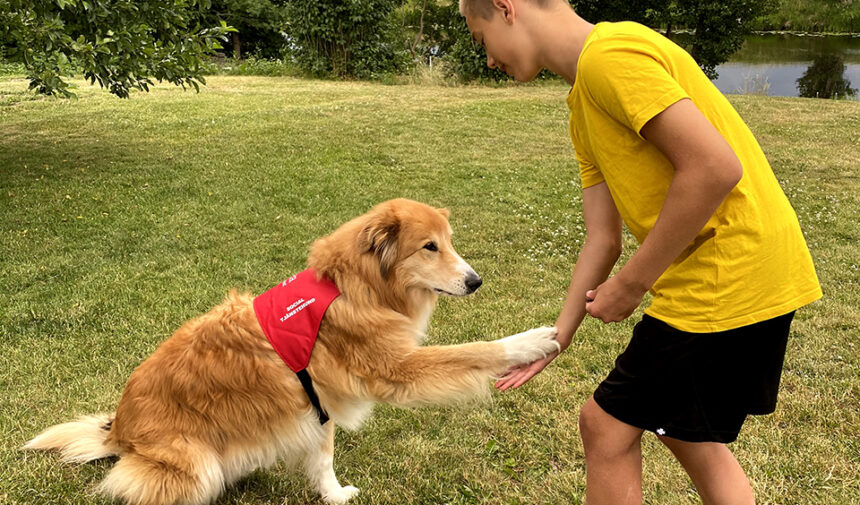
491	62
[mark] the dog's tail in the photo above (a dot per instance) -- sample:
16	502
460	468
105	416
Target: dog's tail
78	441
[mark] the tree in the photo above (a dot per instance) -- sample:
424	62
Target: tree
347	38
412	14
122	44
435	27
718	28
642	11
427	26
259	25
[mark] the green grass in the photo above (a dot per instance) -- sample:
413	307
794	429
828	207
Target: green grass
123	218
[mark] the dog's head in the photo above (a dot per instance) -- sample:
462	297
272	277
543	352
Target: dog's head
402	243
412	243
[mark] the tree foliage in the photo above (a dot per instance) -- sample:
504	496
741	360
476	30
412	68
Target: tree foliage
259	25
443	34
422	26
718	28
642	11
344	37
122	44
125	44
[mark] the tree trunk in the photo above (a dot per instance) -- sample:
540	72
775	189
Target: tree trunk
237	46
420	29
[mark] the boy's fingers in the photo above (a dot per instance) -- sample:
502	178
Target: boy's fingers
520	376
527	373
502	385
523	373
530	372
513	382
523	380
506	380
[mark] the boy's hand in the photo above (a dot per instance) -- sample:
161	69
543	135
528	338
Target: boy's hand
614	300
521	374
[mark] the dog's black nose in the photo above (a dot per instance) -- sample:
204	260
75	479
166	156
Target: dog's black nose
473	282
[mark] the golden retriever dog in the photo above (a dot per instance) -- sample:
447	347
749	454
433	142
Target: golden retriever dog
215	401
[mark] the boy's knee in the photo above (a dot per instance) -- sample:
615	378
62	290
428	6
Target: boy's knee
603	435
592	429
588	424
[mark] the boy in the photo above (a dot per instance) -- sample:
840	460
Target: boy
721	250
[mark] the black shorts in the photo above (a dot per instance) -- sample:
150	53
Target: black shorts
696	387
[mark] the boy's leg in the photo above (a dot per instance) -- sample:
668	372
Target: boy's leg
716	473
613	458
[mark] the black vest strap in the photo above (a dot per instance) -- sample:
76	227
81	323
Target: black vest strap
305	379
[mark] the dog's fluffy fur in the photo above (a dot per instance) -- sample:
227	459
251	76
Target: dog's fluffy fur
215	401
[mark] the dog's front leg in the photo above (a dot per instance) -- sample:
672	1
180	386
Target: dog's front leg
319	466
442	374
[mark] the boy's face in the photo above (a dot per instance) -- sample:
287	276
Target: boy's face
506	41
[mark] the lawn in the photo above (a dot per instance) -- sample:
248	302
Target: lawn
123	218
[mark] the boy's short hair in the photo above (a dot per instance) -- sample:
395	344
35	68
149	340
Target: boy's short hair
484	8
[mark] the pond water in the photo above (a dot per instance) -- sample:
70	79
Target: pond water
794	65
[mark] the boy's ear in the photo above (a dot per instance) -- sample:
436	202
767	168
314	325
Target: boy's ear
379	236
507	8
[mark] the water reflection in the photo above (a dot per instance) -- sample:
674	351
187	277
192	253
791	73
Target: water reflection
825	78
791	65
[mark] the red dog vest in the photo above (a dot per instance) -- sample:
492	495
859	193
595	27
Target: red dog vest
290	315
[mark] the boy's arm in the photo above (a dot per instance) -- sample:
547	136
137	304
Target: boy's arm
706	170
599	254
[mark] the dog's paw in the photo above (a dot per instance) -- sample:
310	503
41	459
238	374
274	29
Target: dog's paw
341	495
530	345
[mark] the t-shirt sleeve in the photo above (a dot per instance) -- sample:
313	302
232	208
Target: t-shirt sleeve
630	80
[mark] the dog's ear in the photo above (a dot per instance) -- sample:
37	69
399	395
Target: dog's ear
379	236
445	212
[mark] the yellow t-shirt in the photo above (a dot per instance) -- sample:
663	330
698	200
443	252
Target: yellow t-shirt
750	262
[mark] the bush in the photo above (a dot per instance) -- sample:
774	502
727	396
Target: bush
9	68
344	38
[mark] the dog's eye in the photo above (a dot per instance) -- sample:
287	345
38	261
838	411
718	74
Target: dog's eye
431	246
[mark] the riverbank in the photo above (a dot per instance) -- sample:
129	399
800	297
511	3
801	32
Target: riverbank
800	33
818	16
